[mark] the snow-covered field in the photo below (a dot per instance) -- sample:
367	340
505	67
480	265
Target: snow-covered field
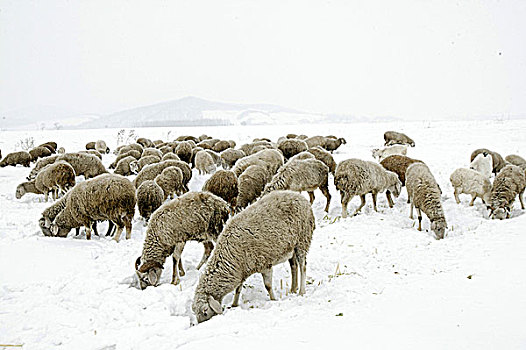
374	281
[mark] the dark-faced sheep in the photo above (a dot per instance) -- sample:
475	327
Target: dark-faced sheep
184	151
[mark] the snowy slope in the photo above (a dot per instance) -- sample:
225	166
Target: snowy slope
374	281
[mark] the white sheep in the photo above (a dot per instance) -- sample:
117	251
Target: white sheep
381	154
471	182
483	163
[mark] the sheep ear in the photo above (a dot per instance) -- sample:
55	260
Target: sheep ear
137	263
215	305
54	229
47	223
152	277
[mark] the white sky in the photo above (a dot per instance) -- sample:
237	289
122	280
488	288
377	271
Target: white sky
411	59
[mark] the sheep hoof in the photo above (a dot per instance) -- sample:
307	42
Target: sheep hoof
176	281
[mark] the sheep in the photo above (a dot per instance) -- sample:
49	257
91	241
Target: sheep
291	147
90	145
106	197
171	181
332	143
124	166
40	164
184	151
301	156
50	213
55	178
483	163
187	138
302	175
144	142
398	164
359	177
498	161
277	228
155	143
397	138
381	154
22	157
224	184
150	196
291	136
84	164
220	146
271	157
51	145
26	187
250	184
324	156
134	153
137	165
100	146
254	147
92	152
149	172
125	148
39	152
424	194
516	160
471	182
171	156
230	156
203	137
208	143
215	156
198	216
204	163
166	149
509	182
316	141
151	152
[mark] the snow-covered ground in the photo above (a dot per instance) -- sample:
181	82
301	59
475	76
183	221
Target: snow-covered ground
374	281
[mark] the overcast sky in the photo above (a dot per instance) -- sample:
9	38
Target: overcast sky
414	59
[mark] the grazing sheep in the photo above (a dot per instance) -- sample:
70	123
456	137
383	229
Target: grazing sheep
125	148
195	216
151	152
106	197
50	213
208	143
100	146
277	228
149	172
150	196
250	185
84	164
56	178
137	165
300	156
144	142
155	143
187	138
134	153
356	177
271	157
324	156
170	156
516	160
215	156
51	145
302	175
184	151
90	145
381	154
92	152
483	163
332	143
397	138
424	194
498	161
39	152
14	158
223	184
26	187
398	164
124	166
254	147
471	182
40	164
204	163
203	137
171	182
509	182
230	156
316	141
220	146
291	147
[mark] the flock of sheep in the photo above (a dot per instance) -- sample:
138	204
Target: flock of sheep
250	209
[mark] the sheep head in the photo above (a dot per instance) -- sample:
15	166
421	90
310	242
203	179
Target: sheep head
439	228
149	274
500	213
134	167
205	307
20	191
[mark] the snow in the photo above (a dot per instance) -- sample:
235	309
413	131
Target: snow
374	281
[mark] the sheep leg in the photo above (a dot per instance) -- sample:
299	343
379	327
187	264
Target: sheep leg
94	227
209	246
128	225
267	281
389	198
176	258
235	303
345	201
118	233
111	226
300	256
294	272
411	212
311	196
361	205
456	196
77	231
88	231
327	194
46	195
473	197
419	213
374	200
520	199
